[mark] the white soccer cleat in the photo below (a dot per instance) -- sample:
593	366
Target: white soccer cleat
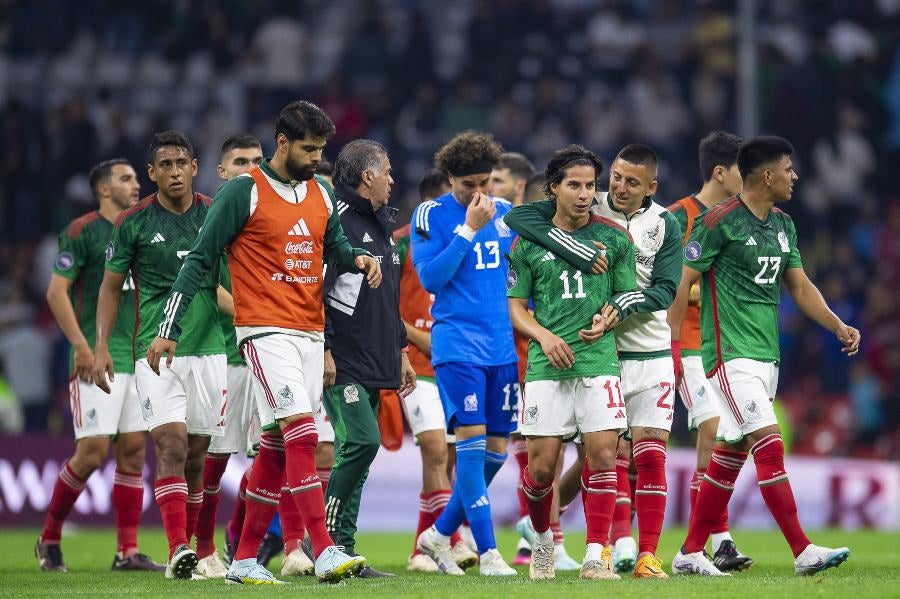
182	564
564	562
492	564
815	559
437	547
468	538
211	567
543	564
297	564
421	563
464	557
333	564
694	563
248	571
624	555
599	569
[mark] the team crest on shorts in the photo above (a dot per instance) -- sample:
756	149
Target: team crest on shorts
470	403
285	397
90	419
751	412
351	394
530	415
146	409
783	242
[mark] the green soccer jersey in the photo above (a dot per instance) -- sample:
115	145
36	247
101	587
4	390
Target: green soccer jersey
565	299
152	242
742	260
227	322
82	247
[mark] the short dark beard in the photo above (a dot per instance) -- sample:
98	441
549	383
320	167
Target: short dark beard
299	173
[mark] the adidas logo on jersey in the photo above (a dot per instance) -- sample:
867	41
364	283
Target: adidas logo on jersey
300	229
482	501
751	241
158	238
548	256
367	238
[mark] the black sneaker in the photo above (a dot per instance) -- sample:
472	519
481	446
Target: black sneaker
49	556
728	558
182	563
138	561
270	546
306	546
230	547
370	572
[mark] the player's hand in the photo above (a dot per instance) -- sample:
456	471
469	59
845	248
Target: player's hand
676	362
157	349
610	315
850	337
480	211
407	376
591	335
330	370
103	367
83	363
601	263
370	266
558	352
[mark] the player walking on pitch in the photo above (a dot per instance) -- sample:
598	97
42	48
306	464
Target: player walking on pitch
743	249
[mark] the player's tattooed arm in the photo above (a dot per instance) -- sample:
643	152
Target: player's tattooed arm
810	301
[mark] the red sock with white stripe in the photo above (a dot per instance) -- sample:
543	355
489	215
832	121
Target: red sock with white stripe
192	514
520	451
300	440
621	521
598	492
213	468
650	494
171	496
713	495
236	522
128	499
768	455
540	500
66	491
430	507
292	526
324	476
262	494
722	525
559	536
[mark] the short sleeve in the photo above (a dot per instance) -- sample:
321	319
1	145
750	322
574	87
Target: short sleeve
519	278
794	260
703	246
120	250
71	257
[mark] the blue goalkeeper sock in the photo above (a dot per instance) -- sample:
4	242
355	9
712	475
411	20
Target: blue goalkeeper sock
493	462
469	497
275	526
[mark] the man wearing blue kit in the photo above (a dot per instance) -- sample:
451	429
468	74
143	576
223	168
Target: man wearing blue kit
459	244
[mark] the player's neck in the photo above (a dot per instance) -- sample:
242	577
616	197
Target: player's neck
277	165
759	203
109	211
570	223
178	206
711	194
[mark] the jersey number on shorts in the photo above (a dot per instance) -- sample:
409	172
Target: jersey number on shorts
661	402
612	400
567	293
508	390
493	252
768	263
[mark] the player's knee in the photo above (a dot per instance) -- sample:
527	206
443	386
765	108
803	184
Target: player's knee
602	458
171	450
541	471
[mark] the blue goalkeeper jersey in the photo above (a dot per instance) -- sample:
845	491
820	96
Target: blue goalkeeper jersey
468	280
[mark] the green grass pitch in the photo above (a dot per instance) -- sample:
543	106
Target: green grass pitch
872	571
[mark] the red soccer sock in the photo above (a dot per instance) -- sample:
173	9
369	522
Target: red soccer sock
540	499
650	494
292	526
599	489
236	522
559	536
768	454
300	440
128	499
213	469
712	498
65	493
695	485
262	495
621	520
194	503
430	507
171	496
520	451
324	476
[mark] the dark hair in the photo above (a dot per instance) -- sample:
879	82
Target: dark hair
325	168
102	172
718	149
468	153
566	158
355	158
762	150
433	183
170	138
639	154
239	141
300	118
519	166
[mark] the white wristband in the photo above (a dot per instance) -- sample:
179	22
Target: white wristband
466	232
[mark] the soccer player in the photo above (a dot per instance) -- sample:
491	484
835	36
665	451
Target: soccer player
72	296
184	407
743	249
278	223
643	340
572	385
458	247
423	408
510	177
721	180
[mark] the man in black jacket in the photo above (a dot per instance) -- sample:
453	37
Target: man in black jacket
365	340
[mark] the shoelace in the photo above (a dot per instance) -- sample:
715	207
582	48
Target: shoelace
542	557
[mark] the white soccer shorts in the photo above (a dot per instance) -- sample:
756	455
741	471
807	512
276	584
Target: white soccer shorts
746	392
287	373
423	408
323	424
565	407
192	391
239	409
94	413
696	393
649	390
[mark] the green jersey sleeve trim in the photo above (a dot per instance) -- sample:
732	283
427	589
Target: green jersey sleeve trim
533	222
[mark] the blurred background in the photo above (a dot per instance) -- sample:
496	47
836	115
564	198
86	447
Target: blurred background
81	82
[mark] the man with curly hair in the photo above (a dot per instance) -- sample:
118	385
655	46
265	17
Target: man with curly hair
458	245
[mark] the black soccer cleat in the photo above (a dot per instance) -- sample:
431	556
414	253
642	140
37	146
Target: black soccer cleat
138	561
49	556
729	559
270	546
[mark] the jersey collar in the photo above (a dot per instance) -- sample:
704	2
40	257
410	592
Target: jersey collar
645	205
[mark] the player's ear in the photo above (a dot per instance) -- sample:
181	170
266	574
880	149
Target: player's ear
654	185
220	170
151	172
194	167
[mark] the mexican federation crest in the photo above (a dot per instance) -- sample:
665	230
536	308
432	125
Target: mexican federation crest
652	239
285	397
783	242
